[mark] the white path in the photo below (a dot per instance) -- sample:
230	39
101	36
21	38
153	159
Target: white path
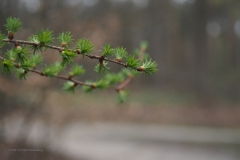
122	141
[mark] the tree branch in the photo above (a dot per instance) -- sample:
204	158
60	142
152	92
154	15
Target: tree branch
117	88
61	48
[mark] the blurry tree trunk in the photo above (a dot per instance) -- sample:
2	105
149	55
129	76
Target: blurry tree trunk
127	20
159	12
201	53
2	18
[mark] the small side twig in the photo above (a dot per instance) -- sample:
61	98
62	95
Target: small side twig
124	83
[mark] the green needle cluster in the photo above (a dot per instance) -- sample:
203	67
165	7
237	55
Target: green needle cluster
120	53
69	86
44	37
41	39
122	96
84	47
12	26
148	67
21	54
6	66
53	70
65	38
21	73
67	57
76	71
107	50
101	68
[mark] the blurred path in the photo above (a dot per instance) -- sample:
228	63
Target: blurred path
119	141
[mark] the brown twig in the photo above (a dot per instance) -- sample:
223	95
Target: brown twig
124	83
61	48
141	54
57	76
76	82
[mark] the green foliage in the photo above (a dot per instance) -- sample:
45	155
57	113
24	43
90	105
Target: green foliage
129	73
76	70
6	66
38	47
2	36
67	57
120	53
69	86
144	45
36	60
13	25
89	87
33	38
44	37
53	70
21	54
112	78
21	73
84	46
121	77
11	55
101	84
122	96
132	62
20	60
32	62
41	39
65	38
148	67
107	50
101	67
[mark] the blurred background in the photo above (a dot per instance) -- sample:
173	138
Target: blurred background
189	109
